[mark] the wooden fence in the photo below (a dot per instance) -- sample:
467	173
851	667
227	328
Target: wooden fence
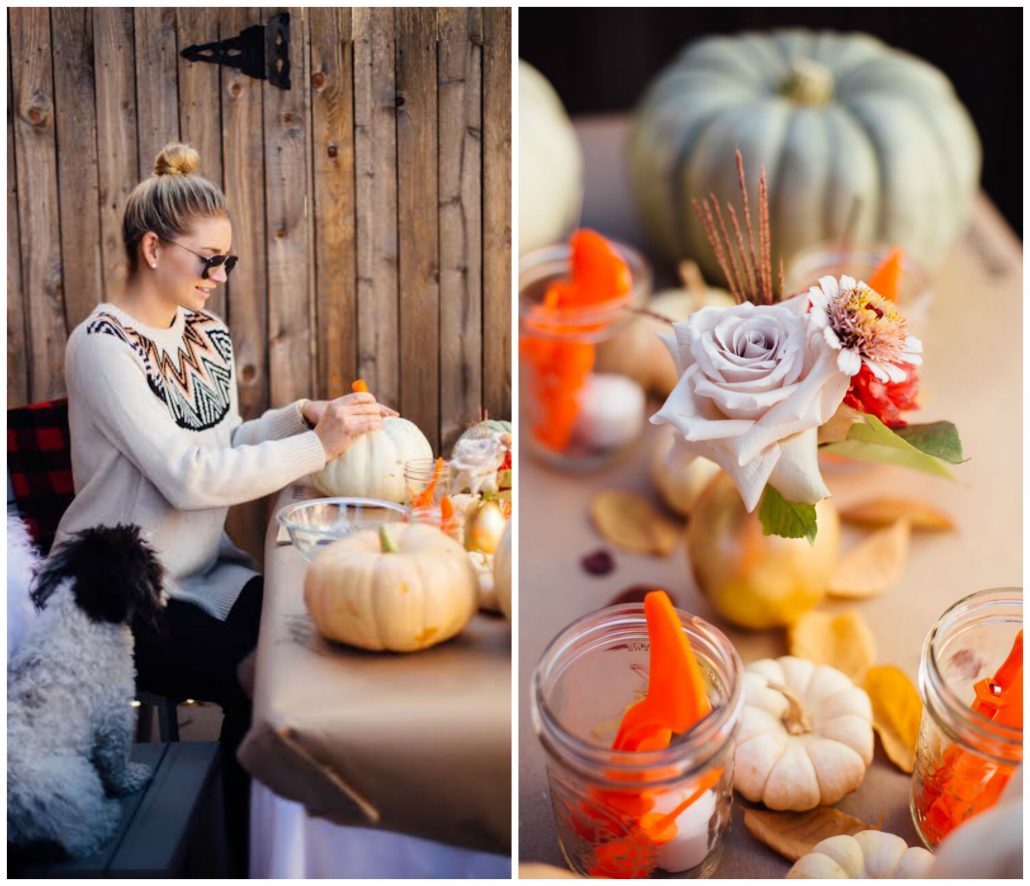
371	202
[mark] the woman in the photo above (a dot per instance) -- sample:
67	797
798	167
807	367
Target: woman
157	440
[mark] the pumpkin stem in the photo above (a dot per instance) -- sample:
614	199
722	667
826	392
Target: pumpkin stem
795	718
386	541
809	83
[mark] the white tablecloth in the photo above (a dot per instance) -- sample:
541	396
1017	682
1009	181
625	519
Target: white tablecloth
285	842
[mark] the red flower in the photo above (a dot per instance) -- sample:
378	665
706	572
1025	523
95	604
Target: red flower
885	400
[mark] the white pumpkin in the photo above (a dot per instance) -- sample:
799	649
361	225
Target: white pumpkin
636	351
502	572
550	164
806	738
484	566
990	845
373	466
678	481
869	855
402	588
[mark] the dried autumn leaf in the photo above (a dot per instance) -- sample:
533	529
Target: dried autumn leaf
874	565
886	511
896	713
793	834
842	640
630	522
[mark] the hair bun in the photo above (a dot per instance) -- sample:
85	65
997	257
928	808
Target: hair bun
176	159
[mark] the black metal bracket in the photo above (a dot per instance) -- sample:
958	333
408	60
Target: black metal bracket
260	51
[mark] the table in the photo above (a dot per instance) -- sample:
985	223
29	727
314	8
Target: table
973	377
416	745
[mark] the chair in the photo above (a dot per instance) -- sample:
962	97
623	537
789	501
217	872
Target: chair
39	490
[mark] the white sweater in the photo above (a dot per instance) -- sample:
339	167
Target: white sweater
157	440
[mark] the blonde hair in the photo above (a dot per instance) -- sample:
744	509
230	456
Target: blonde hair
170	200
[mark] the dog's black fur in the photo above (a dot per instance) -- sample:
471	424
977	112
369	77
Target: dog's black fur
117	576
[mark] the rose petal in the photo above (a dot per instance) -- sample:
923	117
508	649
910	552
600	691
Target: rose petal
796	476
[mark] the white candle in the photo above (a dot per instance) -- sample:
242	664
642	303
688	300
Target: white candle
611	411
690	845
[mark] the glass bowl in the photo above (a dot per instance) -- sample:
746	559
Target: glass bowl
315	523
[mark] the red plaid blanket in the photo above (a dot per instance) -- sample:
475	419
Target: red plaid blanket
39	467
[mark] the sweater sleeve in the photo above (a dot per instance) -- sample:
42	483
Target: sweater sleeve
275	424
112	385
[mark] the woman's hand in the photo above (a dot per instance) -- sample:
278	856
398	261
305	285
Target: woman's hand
345	419
313	410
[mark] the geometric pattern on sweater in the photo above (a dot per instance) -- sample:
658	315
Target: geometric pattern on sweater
195	383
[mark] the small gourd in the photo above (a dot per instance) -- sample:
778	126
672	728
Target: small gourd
502	572
484	525
402	588
636	350
806	738
868	855
678	482
373	465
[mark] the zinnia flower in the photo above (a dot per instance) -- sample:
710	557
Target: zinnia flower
867	329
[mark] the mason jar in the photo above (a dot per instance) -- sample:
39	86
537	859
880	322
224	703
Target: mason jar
963	757
633	814
419	474
573	418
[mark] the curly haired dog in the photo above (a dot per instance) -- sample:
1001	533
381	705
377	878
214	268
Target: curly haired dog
70	682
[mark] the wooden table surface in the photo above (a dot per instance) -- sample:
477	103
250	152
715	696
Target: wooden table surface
418	744
973	352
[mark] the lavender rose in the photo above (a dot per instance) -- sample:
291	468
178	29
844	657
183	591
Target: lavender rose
756	382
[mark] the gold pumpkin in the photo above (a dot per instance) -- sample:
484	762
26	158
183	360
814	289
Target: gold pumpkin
402	588
755	580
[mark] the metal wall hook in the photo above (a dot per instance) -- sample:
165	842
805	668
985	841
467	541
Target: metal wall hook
260	51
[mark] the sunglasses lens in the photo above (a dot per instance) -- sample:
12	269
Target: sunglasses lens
230	263
217	260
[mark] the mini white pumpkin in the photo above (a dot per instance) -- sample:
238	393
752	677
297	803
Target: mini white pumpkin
637	352
502	572
869	855
806	738
373	466
402	588
679	482
990	845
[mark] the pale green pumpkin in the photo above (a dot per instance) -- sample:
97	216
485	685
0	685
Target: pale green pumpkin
831	117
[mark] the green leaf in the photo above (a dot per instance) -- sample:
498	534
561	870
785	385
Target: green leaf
785	518
874	441
939	439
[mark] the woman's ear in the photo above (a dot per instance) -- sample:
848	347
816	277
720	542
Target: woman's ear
148	244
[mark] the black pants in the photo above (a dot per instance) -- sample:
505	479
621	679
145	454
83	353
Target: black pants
191	654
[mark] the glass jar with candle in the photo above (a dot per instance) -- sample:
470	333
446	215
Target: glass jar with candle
574	418
641	813
426	481
970	741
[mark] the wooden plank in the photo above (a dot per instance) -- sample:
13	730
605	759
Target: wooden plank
117	155
38	222
200	118
375	157
332	127
288	221
17	348
418	270
497	278
157	99
244	164
78	189
461	331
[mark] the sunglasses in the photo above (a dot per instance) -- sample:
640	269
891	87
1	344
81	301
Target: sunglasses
211	261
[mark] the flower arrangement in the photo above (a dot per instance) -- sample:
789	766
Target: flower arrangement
767	384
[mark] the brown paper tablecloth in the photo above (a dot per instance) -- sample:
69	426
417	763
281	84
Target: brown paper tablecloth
418	744
972	376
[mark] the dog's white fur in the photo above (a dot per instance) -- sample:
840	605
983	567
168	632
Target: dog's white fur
22	564
69	727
